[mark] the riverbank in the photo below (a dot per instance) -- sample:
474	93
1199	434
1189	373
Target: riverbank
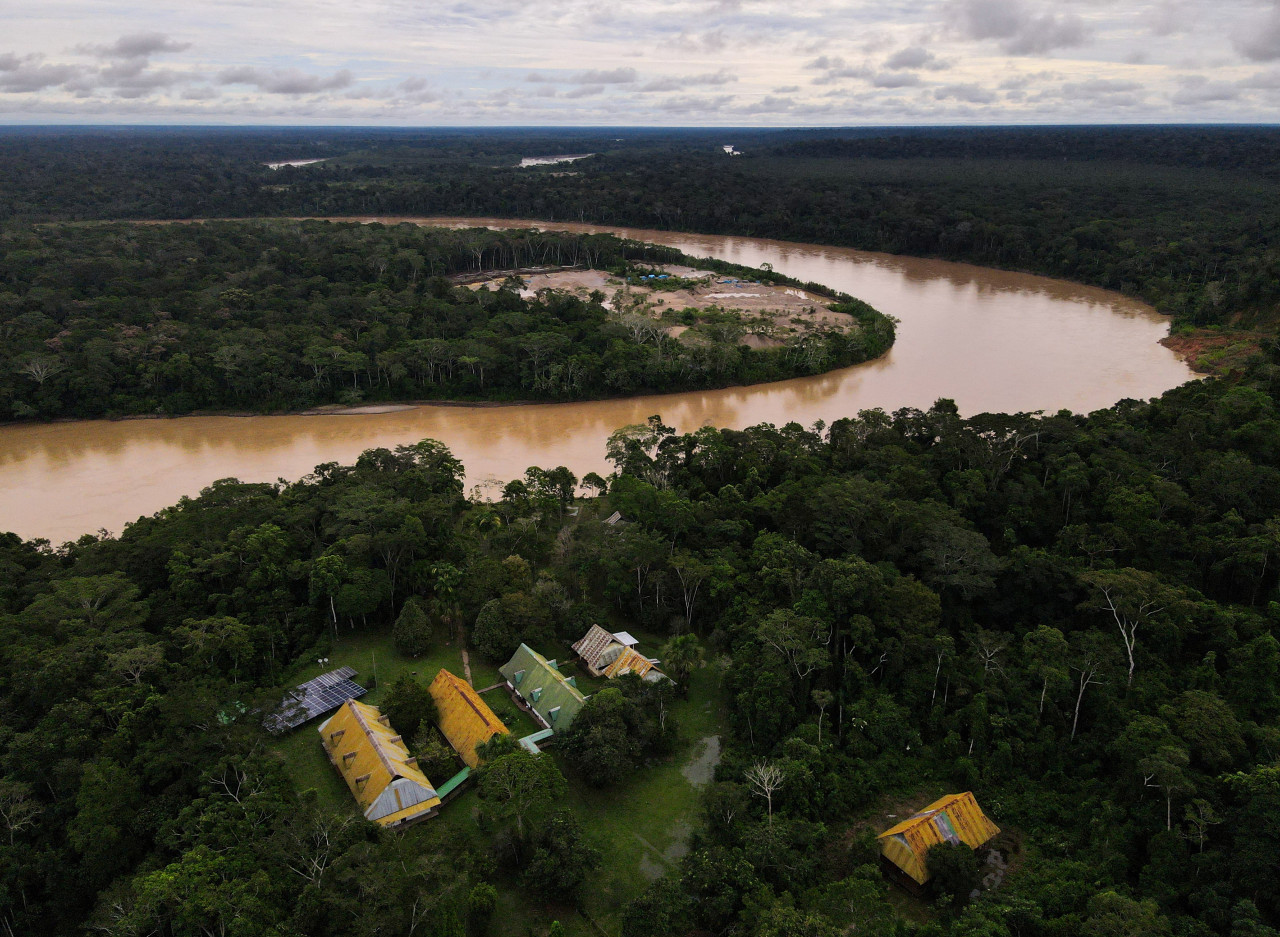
1216	352
285	318
991	341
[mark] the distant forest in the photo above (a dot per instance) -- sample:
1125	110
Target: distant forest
1186	218
121	319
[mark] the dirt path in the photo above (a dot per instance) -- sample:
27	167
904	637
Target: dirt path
466	665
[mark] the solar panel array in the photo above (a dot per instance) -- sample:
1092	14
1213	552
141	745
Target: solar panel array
315	697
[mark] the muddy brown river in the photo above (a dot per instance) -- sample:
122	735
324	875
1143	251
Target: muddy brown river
990	340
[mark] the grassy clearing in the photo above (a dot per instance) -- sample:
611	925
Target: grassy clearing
640	826
369	653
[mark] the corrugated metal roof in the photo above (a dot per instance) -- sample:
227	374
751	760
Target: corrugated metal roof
629	661
624	637
956	818
545	689
530	742
593	648
465	719
381	774
447	788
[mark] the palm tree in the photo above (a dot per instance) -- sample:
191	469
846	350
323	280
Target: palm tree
681	656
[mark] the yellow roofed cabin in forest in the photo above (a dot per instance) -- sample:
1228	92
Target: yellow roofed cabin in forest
465	719
384	778
956	818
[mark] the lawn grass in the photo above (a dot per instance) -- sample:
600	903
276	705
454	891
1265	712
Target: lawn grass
641	825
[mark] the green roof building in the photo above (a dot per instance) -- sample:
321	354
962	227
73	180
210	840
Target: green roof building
552	697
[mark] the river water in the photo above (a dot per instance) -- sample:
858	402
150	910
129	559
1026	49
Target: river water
990	340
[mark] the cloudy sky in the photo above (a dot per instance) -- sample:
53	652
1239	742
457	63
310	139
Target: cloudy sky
642	62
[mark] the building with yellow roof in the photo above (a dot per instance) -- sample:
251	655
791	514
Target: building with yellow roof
956	818
383	777
632	661
465	719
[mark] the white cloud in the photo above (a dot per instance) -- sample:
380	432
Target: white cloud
27	73
1022	29
284	81
969	93
1260	41
913	57
895	80
645	62
614	76
138	46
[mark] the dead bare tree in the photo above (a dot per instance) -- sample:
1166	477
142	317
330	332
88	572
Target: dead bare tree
1088	671
40	368
314	846
765	779
18	808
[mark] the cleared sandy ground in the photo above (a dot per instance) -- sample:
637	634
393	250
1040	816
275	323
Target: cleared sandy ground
768	313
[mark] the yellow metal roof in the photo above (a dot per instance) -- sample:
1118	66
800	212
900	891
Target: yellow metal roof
465	719
381	774
629	661
956	818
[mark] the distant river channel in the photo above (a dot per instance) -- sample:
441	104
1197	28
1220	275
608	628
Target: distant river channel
992	341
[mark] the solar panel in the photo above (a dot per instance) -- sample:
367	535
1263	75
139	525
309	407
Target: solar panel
313	698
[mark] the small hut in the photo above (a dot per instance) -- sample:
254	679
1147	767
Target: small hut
955	819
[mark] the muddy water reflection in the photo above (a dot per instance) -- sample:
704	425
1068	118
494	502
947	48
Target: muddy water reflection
989	339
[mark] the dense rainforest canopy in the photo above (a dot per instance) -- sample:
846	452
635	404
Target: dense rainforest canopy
118	319
1075	616
1188	218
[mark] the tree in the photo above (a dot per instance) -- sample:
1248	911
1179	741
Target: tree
799	640
954	871
435	757
681	656
691	571
482	901
822	699
133	664
780	920
446	578
517	790
595	482
328	573
507	622
1113	915
1160	758
1046	654
1200	817
1133	598
19	810
408	705
600	744
765	778
413	631
40	368
562	860
1088	663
